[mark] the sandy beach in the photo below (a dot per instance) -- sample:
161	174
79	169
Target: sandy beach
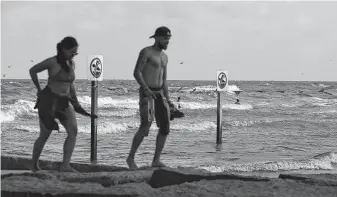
103	180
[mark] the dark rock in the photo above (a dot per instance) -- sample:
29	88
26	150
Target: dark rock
31	186
319	179
107	179
35	194
39	175
164	182
21	163
293	177
167	176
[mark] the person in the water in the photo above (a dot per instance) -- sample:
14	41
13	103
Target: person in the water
174	112
54	101
178	100
237	102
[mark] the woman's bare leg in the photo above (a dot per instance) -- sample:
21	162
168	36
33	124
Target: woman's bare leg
38	146
70	124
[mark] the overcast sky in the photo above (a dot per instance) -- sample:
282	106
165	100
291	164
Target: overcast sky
252	40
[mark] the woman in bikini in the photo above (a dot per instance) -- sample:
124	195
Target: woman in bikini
53	101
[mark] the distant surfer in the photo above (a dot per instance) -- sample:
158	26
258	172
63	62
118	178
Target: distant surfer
237	102
53	101
194	89
150	72
178	100
174	112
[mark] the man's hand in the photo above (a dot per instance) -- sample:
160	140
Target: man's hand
171	105
149	93
38	93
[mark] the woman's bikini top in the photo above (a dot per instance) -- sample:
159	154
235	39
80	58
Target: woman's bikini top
63	76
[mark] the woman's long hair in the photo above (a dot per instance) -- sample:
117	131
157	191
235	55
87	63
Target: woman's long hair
66	43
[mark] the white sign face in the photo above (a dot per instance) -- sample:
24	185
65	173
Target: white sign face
95	68
221	80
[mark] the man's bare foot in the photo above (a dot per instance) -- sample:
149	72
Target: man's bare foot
35	167
158	164
131	163
66	168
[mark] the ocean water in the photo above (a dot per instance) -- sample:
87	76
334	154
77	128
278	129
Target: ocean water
279	126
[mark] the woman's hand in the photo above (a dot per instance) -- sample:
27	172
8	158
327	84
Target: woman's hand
93	116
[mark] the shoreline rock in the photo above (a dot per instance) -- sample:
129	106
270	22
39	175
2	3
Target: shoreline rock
181	175
102	180
22	163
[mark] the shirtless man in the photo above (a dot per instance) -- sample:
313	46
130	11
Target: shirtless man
150	72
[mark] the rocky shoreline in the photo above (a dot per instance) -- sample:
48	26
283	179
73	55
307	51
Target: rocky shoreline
102	180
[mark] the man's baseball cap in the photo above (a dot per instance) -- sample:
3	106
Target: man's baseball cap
162	31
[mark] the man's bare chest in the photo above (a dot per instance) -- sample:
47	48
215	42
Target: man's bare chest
158	61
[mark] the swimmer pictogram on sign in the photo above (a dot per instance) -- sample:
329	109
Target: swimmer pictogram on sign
95	69
222	80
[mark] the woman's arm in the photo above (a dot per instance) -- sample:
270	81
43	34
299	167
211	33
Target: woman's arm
77	106
73	95
44	65
74	101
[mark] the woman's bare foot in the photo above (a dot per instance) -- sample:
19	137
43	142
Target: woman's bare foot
131	163
158	164
35	167
66	168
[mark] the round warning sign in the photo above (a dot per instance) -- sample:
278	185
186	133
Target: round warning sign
222	80
96	67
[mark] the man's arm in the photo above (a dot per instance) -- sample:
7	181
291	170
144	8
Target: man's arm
137	73
166	93
44	65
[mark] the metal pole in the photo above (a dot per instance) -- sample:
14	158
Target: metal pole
219	120
94	95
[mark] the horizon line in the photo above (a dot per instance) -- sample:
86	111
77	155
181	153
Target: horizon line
183	80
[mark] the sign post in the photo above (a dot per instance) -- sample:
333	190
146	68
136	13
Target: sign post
94	74
222	85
